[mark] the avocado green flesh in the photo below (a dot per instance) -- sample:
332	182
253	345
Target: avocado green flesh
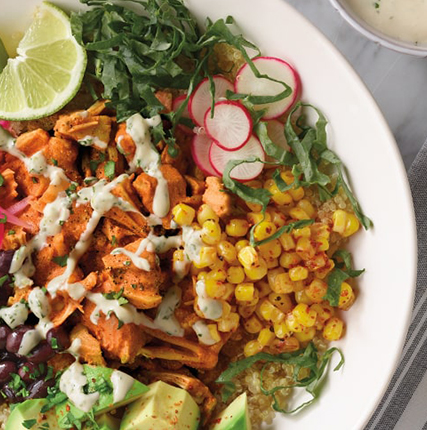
29	410
235	416
164	407
105	403
3	56
56	418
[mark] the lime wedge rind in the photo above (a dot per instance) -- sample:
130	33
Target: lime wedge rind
48	71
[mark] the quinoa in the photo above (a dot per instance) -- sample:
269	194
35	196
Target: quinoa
4	414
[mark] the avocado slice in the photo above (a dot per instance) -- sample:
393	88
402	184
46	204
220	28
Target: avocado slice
99	379
164	407
105	422
234	417
28	413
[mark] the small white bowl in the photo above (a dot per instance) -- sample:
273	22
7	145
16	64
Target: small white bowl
377	36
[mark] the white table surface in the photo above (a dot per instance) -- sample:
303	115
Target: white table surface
397	81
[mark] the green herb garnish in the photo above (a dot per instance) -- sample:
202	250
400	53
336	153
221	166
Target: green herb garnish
308	359
61	260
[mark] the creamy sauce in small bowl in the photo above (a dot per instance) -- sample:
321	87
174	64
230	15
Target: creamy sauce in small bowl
396	24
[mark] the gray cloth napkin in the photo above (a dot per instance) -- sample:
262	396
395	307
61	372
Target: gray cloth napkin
404	405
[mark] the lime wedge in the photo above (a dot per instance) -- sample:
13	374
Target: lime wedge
48	70
3	56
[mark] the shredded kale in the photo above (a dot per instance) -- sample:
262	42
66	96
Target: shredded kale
308	359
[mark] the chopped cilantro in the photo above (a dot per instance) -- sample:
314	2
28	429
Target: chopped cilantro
29	423
61	260
1	180
109	169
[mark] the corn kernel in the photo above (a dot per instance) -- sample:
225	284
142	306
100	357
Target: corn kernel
244	292
213	331
254	207
219	264
227	251
281	301
271	249
292	324
252	348
287	241
298	273
346	296
202	276
298	213
281	330
323	271
241	244
235	274
263	288
257	272
265	309
276	217
272	263
345	223
304	315
208	256
317	262
304	248
289	259
248	257
217	275
320	231
301	232
316	290
288	177
278	197
183	214
279	281
333	329
204	213
179	263
322	244
324	312
211	232
297	193
226	309
306	335
264	230
288	344
301	297
307	207
246	311
256	217
229	323
237	227
253	325
215	289
265	337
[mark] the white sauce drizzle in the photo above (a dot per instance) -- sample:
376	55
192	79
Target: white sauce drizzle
74	348
14	315
72	382
39	305
147	157
165	319
152	243
93	141
122	383
210	308
203	333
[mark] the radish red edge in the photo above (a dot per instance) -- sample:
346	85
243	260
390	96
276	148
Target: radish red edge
217	133
252	148
200	151
222	84
296	86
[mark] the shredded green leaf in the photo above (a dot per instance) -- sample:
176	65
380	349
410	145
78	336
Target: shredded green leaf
307	358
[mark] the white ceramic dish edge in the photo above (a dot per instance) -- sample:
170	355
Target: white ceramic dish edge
327	80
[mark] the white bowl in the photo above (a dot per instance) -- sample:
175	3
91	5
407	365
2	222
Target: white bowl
377	36
378	321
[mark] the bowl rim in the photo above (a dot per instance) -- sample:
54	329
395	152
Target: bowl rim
375	35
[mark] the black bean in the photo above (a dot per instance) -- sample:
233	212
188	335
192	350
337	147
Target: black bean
11	394
4	333
58	338
6	368
41	353
29	371
5	261
38	389
8	356
5	292
14	339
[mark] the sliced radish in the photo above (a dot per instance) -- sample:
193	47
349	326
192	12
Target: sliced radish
245	171
200	152
231	125
276	132
201	99
177	102
276	68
